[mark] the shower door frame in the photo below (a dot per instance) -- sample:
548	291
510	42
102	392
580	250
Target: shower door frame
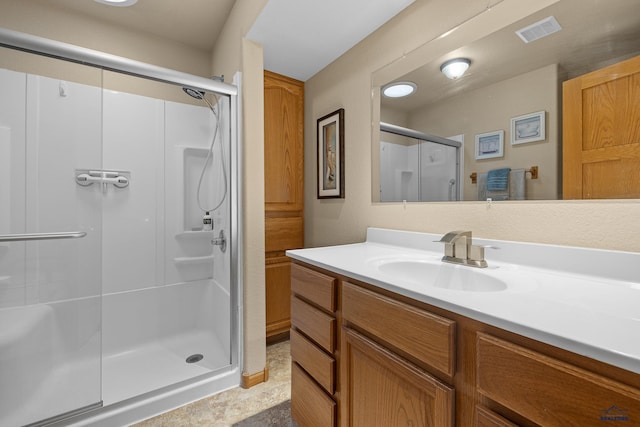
410	133
72	53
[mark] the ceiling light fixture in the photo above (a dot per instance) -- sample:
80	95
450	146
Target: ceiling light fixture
399	89
455	68
118	3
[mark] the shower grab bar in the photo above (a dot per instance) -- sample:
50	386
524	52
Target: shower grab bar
42	236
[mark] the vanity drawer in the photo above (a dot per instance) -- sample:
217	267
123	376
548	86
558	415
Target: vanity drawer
548	391
487	418
313	286
316	362
310	406
424	336
315	324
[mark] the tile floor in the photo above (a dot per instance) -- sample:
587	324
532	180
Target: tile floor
240	407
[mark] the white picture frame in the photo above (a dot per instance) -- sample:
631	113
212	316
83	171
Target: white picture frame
489	145
528	128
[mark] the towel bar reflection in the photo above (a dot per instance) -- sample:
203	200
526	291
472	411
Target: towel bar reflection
41	236
533	170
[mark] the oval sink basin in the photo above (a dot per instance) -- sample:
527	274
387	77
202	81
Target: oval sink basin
441	275
470	279
408	270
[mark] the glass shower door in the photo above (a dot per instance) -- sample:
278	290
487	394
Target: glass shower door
50	240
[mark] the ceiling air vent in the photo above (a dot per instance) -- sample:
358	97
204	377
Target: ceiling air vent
539	30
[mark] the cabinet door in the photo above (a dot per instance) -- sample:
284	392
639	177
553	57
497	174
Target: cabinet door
278	296
284	143
381	389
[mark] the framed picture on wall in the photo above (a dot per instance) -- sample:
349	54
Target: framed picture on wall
490	145
331	156
528	128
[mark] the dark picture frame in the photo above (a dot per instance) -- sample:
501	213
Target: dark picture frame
330	151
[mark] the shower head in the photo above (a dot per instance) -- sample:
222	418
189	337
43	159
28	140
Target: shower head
193	93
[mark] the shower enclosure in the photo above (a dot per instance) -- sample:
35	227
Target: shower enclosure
417	167
116	301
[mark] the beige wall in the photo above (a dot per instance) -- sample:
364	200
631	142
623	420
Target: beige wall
232	53
347	82
491	108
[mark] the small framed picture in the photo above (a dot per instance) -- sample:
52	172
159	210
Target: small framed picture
528	128
331	155
490	145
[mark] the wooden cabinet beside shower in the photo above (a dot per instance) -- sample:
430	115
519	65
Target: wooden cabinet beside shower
283	193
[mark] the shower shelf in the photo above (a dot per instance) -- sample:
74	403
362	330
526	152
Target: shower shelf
193	260
195	234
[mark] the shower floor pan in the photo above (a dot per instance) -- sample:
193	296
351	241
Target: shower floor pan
156	365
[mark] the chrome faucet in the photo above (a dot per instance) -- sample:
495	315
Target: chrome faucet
458	249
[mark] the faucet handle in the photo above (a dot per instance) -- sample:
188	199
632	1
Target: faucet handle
476	253
449	248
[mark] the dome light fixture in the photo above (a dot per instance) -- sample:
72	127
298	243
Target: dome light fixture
455	68
399	89
118	3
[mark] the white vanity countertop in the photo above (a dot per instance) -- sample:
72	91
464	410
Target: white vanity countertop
583	300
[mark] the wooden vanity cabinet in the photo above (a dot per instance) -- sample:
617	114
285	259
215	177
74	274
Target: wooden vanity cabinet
385	343
405	362
314	345
548	391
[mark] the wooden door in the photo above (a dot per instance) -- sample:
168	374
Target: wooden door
381	389
283	190
601	133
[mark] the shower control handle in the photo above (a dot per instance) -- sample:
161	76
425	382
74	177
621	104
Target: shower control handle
221	241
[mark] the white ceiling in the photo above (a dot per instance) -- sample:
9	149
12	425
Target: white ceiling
594	34
301	37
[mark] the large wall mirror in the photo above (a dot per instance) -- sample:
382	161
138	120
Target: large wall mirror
505	113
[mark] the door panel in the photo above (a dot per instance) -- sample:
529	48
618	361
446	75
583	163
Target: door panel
50	289
601	133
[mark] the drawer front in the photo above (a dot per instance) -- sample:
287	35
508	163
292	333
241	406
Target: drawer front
313	286
316	362
487	418
310	406
423	335
548	391
283	233
315	324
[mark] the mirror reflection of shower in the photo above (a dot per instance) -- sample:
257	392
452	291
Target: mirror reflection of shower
416	167
207	221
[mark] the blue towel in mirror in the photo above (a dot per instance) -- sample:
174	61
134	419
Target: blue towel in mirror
498	179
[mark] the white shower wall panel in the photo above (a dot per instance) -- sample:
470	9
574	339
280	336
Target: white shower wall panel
12	188
133	224
438	168
399	169
189	254
63	134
